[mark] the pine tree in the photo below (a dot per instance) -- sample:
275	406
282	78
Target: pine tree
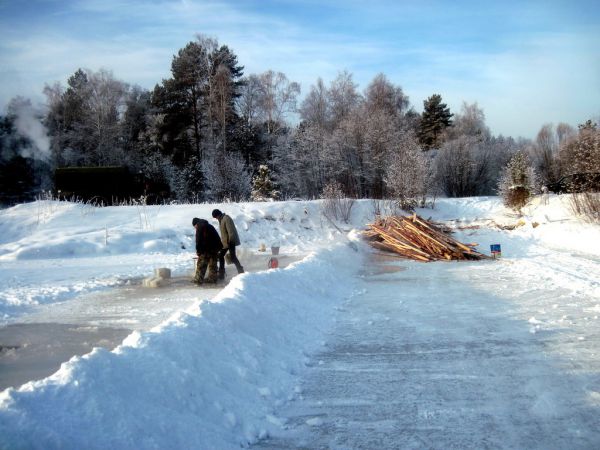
198	100
263	188
435	119
517	182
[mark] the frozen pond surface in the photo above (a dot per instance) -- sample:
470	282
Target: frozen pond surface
37	344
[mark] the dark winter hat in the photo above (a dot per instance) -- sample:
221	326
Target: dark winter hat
216	213
195	220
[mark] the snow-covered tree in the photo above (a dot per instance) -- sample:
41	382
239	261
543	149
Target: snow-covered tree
580	157
581	154
518	182
263	187
105	103
248	101
186	182
382	135
347	147
343	97
84	120
226	177
315	108
462	166
382	95
406	173
276	98
299	162
545	154
498	151
469	122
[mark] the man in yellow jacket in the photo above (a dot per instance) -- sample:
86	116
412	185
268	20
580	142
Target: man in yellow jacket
229	238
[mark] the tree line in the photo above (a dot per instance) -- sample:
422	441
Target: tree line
212	133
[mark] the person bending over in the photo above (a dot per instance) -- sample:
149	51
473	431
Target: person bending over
208	246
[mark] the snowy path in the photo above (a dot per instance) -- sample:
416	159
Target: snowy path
457	355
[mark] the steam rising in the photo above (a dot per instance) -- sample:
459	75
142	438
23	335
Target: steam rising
28	123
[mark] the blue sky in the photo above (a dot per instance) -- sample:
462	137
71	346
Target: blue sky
524	63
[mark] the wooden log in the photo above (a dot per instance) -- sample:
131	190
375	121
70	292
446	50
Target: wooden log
414	237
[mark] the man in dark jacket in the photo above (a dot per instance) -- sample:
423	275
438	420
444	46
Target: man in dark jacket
229	239
208	246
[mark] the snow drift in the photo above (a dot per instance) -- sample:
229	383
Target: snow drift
208	378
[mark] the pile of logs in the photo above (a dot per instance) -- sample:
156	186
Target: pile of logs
415	238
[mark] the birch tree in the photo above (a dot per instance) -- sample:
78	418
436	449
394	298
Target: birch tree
226	177
385	106
248	102
105	105
462	166
299	162
383	96
277	98
406	173
85	119
315	109
469	122
343	97
348	147
545	153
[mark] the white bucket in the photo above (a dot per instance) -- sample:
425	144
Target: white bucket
162	272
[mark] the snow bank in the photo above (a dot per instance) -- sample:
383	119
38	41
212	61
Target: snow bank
547	220
208	378
52	251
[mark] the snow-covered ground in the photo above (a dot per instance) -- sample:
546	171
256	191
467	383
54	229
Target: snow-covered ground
218	369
